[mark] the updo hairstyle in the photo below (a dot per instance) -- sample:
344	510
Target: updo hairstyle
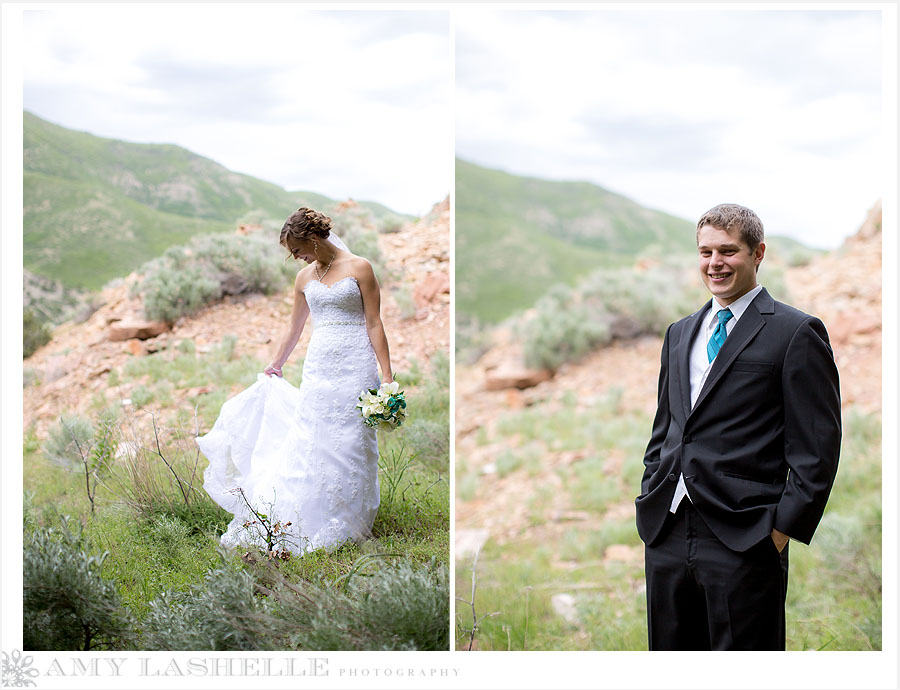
305	224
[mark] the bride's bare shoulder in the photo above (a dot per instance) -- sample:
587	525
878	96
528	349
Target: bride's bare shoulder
361	267
360	263
304	275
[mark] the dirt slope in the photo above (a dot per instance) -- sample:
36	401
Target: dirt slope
75	365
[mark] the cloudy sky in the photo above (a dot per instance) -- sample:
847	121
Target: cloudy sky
681	110
343	103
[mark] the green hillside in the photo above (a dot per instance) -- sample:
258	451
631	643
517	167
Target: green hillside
97	208
516	236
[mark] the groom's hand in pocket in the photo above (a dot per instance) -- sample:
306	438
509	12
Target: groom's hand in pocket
780	539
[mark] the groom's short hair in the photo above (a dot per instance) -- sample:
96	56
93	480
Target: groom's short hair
729	217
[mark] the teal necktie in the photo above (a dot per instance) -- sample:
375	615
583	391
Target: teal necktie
718	337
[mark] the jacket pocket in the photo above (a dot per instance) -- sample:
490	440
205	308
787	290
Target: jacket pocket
745	478
759	367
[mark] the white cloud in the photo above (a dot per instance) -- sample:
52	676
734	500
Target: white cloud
344	103
681	110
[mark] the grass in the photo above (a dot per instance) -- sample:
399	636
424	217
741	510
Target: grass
834	590
159	543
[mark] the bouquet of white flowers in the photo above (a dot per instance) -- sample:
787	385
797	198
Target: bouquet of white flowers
385	407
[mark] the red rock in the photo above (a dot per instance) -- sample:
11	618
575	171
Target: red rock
127	329
433	285
509	376
514	399
844	325
136	347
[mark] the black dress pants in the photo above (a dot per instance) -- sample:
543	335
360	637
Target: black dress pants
701	595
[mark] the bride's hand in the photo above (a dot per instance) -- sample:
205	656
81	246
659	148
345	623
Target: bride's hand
269	370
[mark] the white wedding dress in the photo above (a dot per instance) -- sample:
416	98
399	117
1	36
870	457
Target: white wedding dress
303	455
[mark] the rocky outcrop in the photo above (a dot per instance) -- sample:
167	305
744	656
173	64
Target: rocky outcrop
843	288
431	287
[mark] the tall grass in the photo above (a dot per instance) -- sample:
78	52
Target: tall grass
159	530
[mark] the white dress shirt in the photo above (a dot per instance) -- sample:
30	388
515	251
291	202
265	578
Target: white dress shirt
700	364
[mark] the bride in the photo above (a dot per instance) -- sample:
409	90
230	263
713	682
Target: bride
299	468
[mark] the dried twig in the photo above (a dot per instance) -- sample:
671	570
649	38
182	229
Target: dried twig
84	462
158	451
475	619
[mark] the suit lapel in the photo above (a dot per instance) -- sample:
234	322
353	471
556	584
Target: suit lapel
750	323
683	356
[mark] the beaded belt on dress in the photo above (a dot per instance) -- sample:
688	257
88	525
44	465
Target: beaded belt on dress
339	323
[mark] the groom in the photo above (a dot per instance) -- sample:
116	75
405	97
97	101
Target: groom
742	455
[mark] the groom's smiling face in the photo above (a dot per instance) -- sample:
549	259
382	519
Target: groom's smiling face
727	265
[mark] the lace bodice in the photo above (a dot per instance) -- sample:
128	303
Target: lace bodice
340	303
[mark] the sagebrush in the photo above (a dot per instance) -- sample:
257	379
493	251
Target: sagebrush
67	604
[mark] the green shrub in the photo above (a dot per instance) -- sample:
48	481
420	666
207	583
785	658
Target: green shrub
400	607
562	329
220	614
30	377
105	442
395	607
772	276
568	322
390	223
472	338
69	441
430	438
67	605
188	277
405	302
224	351
35	332
411	377
440	369
170	291
141	396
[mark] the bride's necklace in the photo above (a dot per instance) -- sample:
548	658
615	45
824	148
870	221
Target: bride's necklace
328	268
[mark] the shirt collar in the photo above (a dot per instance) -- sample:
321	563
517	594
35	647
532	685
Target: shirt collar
737	307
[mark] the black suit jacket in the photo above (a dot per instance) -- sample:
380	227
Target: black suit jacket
760	447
